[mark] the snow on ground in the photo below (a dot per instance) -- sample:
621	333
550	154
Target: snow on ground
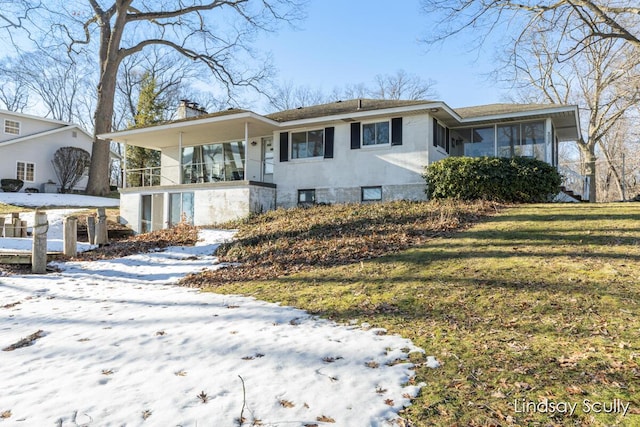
54	233
122	345
36	200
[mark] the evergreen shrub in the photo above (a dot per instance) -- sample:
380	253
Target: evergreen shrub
518	179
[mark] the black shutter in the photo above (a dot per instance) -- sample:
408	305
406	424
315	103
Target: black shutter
448	147
284	146
396	131
435	133
355	136
328	142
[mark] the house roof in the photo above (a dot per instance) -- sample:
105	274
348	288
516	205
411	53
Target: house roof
29	116
32	136
565	117
235	124
339	108
227	125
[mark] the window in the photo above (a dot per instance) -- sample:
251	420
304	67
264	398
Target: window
440	136
213	163
371	194
482	142
307	144
12	127
26	171
375	133
306	197
180	208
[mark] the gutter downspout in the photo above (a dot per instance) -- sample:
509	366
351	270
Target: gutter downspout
124	166
180	158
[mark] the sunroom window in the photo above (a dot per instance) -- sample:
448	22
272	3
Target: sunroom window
307	144
375	133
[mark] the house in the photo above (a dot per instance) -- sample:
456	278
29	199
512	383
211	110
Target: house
225	165
27	146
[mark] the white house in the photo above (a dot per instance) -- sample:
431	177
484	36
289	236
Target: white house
225	165
27	146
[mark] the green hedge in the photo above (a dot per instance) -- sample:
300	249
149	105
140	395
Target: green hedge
519	179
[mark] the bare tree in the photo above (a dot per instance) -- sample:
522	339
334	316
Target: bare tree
402	85
603	79
215	34
13	94
70	164
598	20
287	96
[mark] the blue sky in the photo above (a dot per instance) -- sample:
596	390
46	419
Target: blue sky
346	42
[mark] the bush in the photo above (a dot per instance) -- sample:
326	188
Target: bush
519	179
9	185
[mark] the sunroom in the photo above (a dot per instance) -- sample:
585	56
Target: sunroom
213	168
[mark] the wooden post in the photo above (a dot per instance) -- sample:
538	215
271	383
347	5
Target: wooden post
1	226
8	229
101	228
91	229
23	228
70	236
39	247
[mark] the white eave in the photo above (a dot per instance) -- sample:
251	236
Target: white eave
227	127
43	134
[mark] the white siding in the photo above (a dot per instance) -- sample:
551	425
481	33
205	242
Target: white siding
398	169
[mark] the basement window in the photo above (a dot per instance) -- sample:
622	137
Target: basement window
371	194
306	197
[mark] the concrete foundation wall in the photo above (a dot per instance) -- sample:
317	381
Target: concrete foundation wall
215	204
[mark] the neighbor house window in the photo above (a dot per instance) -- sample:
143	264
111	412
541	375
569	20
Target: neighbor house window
375	133
307	144
26	171
12	127
371	194
306	197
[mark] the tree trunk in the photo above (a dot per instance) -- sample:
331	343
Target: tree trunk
110	59
590	171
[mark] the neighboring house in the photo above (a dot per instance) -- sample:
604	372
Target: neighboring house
27	146
221	166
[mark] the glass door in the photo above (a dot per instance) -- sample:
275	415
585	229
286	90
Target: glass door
267	159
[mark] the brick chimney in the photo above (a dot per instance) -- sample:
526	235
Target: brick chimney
188	109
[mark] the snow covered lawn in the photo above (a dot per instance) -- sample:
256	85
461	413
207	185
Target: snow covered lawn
35	200
120	344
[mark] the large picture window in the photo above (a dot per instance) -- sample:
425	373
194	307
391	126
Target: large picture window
375	133
307	144
26	171
213	162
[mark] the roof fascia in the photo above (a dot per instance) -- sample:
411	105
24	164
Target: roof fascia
42	134
543	111
355	116
119	135
32	117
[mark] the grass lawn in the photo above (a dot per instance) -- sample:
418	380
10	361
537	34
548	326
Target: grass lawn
537	303
7	209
